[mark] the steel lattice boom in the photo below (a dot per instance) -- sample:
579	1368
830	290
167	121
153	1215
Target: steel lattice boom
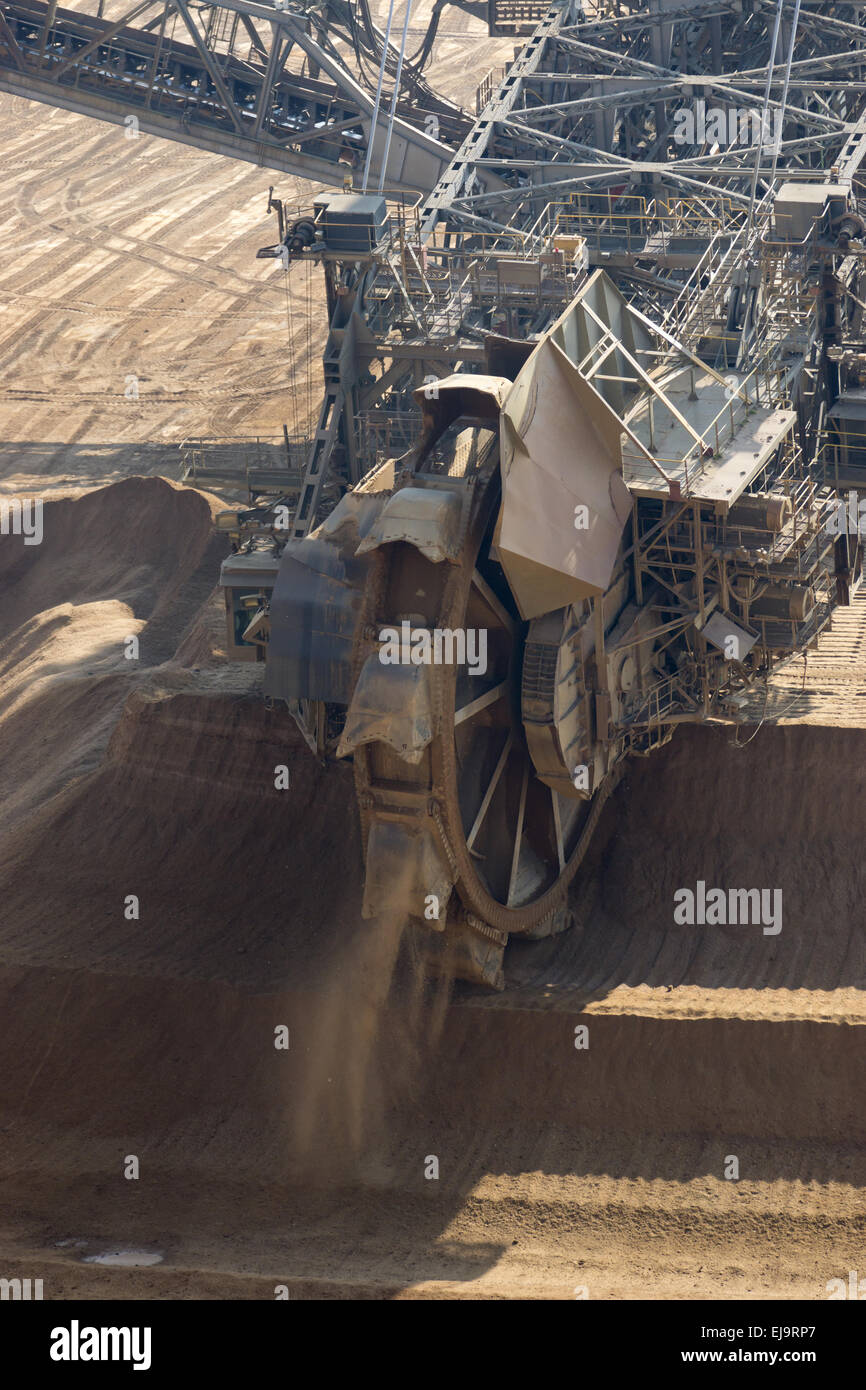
264	84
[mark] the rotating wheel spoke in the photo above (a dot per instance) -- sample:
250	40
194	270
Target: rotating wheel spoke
496	606
491	788
480	703
557	829
518	836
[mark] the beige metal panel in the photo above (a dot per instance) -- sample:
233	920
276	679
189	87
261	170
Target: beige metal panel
462	394
559	451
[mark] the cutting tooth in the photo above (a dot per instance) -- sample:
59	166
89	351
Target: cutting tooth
468	949
428	518
393	705
406	873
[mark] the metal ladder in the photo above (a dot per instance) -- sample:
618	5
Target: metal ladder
321	451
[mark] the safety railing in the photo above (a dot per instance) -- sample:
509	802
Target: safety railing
387	434
257	463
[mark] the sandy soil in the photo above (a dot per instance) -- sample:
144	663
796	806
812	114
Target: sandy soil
134	312
598	1170
558	1168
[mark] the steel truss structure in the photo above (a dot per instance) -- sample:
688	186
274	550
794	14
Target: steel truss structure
287	87
635	142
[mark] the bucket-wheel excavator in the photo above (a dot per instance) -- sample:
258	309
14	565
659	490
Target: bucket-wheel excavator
561	569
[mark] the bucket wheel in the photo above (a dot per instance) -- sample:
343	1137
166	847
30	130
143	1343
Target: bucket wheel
460	833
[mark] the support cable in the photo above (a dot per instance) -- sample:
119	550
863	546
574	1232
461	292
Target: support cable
375	116
778	141
290	330
764	113
394	95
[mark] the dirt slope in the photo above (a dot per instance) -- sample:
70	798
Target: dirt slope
599	1170
559	1169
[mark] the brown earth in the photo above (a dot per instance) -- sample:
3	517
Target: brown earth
559	1169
